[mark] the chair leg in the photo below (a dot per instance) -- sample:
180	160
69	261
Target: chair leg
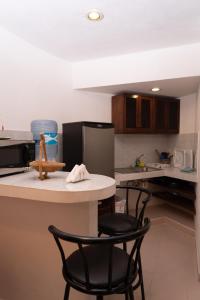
125	247
100	297
67	289
142	290
141	279
126	296
131	294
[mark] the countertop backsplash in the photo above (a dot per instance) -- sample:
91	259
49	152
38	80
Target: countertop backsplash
183	141
129	146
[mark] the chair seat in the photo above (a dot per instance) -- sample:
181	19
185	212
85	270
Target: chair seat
98	260
117	223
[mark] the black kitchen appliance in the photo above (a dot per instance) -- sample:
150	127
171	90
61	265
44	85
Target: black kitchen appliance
90	143
15	156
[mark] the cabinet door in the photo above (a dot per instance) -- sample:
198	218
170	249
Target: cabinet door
131	113
118	113
160	115
139	114
167	113
146	115
173	116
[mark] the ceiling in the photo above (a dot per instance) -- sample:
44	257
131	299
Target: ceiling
60	27
176	87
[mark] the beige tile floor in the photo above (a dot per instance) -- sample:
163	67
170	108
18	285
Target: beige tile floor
169	259
169	265
183	217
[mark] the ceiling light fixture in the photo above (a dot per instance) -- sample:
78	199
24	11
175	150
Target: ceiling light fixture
135	96
95	15
155	89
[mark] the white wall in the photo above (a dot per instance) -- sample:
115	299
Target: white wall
36	85
167	63
188	105
197	216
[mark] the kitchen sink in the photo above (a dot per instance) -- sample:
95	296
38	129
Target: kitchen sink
135	170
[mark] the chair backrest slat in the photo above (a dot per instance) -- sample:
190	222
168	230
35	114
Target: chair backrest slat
127	201
137	204
110	269
139	212
85	264
135	251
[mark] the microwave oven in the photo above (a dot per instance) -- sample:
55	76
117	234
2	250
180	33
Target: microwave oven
15	156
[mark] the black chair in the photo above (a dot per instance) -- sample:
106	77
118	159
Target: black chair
121	223
98	267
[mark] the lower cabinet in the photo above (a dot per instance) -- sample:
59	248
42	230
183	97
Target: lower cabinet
178	192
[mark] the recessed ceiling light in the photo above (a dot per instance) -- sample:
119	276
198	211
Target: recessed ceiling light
135	96
155	89
95	15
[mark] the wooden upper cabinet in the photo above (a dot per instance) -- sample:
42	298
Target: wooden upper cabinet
145	114
167	115
133	115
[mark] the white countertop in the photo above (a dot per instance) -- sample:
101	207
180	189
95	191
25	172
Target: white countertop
177	173
55	189
170	172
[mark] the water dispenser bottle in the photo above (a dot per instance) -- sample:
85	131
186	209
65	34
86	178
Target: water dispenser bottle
49	128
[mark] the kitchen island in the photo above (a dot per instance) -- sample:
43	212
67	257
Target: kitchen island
30	263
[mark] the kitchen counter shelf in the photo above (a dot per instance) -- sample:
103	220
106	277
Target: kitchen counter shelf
178	201
169	172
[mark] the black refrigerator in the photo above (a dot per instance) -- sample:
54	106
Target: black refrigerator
90	143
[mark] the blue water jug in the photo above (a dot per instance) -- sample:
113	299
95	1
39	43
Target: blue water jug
50	130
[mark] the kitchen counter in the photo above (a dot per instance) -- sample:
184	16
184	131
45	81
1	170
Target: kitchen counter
170	172
30	262
177	173
55	189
